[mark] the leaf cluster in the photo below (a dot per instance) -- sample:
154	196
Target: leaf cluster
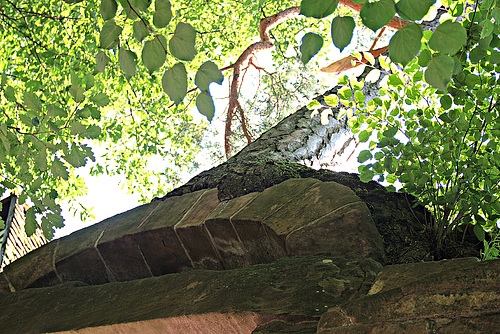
440	145
433	129
77	73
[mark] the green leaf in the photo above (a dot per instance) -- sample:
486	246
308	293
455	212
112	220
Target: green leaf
206	74
332	100
92	131
472	80
364	156
100	99
25	119
359	97
75	157
364	135
77	93
424	57
41	160
181	45
36	184
484	43
390	165
377	14
95	113
445	102
174	82
448	38
56	220
405	44
496	206
313	105
488	27
154	53
32	101
479	232
128	62
88	152
101	60
311	44
318	8
108	9
342	29
10	94
5	142
395	80
141	31
47	228
70	2
366	175
30	224
58	169
76	128
477	54
56	111
140	5
390	132
3	80
413	10
33	85
110	34
127	10
8	184
89	81
205	105
439	71
456	8
163	13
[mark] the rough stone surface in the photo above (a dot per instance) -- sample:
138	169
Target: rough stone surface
274	261
4	284
197	230
305	294
85	266
162	251
346	230
455	296
405	228
208	323
292	290
33	270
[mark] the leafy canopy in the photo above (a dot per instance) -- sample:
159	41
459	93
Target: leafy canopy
125	72
433	129
74	74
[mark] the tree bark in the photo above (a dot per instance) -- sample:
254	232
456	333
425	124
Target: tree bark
279	154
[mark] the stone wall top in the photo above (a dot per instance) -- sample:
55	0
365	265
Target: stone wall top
198	231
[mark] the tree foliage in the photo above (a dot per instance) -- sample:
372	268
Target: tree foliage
126	72
74	73
434	129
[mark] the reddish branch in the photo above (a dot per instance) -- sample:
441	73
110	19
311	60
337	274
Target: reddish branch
266	24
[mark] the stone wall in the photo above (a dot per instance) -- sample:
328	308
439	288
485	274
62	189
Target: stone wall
197	231
308	255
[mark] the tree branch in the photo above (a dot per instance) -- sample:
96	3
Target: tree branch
266	24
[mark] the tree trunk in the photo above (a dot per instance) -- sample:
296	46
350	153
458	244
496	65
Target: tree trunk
283	151
279	154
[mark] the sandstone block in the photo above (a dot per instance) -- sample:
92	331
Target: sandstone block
35	269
